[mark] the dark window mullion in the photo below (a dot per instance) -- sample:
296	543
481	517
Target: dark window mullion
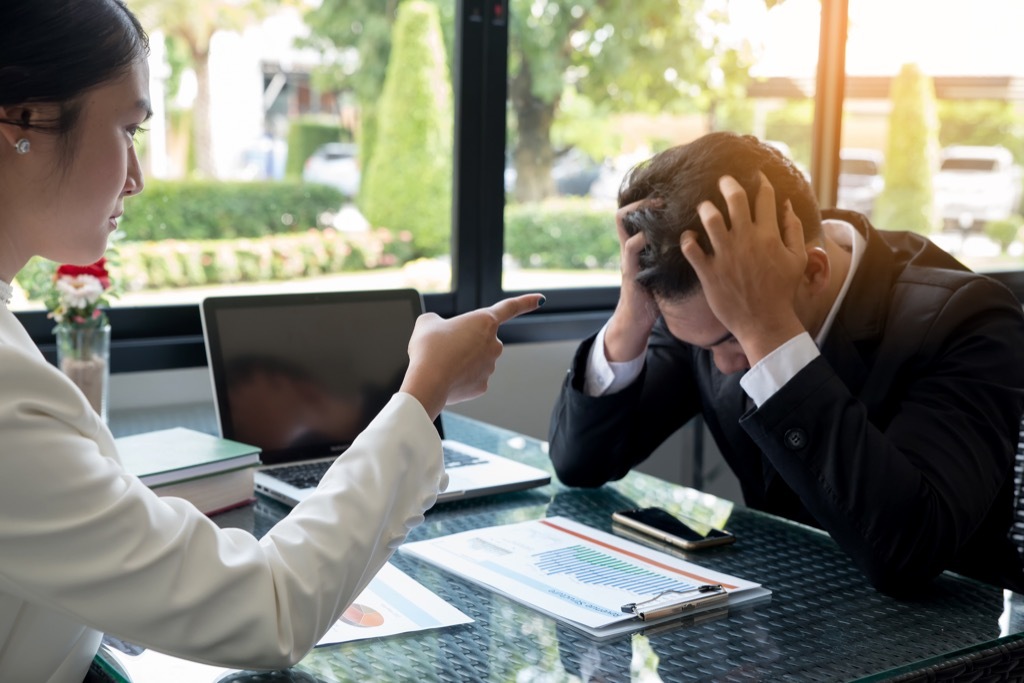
494	97
467	265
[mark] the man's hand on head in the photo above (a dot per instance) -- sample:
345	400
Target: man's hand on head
752	278
636	312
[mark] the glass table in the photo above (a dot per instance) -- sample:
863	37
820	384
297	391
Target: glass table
823	622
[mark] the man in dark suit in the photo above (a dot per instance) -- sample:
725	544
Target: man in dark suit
860	381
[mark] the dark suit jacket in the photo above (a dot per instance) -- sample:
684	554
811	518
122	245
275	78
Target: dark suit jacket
898	440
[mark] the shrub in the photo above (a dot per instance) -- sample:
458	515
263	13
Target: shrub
561	233
188	263
198	209
1004	232
910	155
305	135
408	185
793	124
36	278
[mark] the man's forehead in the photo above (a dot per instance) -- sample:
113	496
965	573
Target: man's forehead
690	320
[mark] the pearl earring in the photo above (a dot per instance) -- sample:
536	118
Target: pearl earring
22	146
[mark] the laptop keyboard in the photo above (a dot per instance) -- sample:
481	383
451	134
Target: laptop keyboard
304	476
308	475
454	459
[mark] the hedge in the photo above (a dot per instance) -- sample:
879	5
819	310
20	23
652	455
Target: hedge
562	234
557	234
305	136
202	209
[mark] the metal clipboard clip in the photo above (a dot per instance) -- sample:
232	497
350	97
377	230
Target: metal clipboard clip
668	603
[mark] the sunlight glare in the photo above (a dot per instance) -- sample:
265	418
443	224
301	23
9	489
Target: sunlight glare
943	37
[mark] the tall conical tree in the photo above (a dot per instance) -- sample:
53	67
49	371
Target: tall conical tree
409	182
911	155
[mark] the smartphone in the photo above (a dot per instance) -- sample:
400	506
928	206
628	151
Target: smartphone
667	528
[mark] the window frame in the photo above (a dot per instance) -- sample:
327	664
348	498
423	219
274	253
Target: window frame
171	337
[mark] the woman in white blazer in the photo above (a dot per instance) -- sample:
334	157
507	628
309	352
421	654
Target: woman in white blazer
86	548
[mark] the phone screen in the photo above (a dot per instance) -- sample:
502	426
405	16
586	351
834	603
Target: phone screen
690	533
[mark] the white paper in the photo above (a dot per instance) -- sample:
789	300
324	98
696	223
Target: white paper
571	571
393	603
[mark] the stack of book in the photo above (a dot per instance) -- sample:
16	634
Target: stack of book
214	474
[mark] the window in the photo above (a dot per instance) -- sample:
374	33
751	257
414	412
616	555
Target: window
946	125
286	158
537	109
594	89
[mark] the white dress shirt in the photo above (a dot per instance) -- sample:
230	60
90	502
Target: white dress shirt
770	373
87	548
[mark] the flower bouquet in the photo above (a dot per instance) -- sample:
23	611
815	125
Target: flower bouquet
76	304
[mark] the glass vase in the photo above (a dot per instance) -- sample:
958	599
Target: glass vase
83	354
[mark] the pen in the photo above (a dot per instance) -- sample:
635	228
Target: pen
675	602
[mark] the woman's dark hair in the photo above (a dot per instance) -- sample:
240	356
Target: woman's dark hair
681	178
54	51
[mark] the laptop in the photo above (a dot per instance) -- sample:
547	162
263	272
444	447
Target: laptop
301	375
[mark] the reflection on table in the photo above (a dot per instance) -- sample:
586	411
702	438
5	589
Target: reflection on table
823	621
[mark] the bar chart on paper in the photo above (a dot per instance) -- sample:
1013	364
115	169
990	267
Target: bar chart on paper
570	571
590	566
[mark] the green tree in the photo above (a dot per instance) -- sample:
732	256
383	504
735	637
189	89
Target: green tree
193	24
646	55
911	155
305	135
359	33
409	184
793	124
635	56
982	122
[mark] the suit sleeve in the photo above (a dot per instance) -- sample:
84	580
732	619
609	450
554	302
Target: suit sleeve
906	498
596	439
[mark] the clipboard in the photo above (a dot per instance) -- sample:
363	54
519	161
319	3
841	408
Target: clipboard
598	583
671	603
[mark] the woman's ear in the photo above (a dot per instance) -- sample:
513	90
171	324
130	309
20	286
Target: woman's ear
10	129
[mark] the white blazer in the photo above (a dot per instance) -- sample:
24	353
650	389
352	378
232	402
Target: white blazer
86	548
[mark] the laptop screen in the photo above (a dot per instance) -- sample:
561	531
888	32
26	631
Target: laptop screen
301	375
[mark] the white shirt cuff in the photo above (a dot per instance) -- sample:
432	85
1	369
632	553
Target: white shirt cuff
778	367
605	377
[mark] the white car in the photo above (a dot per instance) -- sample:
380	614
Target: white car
975	185
335	164
860	179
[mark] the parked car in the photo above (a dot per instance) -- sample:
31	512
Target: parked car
860	179
335	164
573	172
613	172
264	159
975	185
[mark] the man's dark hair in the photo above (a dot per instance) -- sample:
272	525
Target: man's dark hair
681	178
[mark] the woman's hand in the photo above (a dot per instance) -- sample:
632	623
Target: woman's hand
451	360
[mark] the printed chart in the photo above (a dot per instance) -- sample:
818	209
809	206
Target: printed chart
393	603
362	616
573	572
590	566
